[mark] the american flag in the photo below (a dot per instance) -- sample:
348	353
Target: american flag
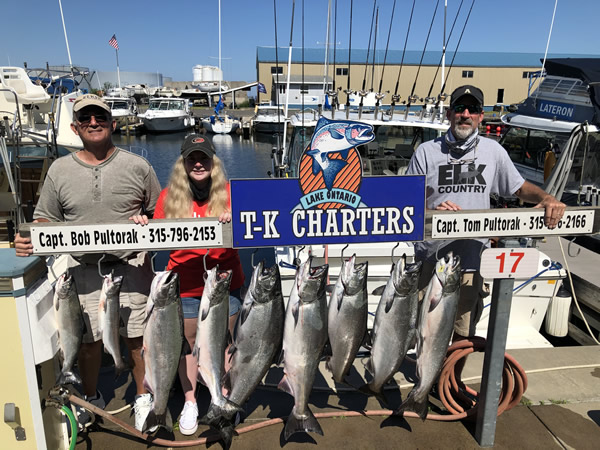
113	42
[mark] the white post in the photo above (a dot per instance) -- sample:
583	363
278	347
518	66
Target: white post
326	51
118	73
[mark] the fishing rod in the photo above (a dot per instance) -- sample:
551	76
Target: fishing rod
374	49
430	99
396	97
457	46
363	92
412	97
379	95
333	92
277	151
348	92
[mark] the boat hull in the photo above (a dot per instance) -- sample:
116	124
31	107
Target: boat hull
162	124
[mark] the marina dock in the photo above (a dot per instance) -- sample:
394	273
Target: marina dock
560	409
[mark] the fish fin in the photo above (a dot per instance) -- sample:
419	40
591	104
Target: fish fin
344	153
226	381
323	121
367	340
389	303
204	310
379	395
68	378
296	312
285	386
308	423
369	366
315	166
279	359
227	432
335	134
412	404
154	420
339	303
378	290
120	367
245	312
329	174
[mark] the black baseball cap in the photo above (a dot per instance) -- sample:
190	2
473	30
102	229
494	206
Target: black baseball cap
197	143
466	90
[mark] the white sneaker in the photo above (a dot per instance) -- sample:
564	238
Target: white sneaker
188	421
141	407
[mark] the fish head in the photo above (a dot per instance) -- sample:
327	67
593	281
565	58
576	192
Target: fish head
65	285
112	283
216	284
359	133
447	269
353	275
268	284
313	283
165	288
405	276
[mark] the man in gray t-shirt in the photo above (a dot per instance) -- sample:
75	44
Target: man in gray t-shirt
102	183
461	170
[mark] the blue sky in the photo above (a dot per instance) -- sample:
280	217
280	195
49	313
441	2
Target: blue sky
171	37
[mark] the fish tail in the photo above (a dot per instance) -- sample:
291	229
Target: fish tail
226	432
120	367
305	423
379	395
156	420
216	414
68	378
413	403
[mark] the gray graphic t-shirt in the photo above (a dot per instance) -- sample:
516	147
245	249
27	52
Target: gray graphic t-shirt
466	180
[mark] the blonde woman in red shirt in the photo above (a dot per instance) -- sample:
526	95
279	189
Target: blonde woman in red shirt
198	187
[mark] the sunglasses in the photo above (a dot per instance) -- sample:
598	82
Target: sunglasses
85	119
473	109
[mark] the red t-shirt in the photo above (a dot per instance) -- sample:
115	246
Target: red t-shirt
189	264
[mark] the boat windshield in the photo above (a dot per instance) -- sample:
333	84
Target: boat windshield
118	105
177	106
528	147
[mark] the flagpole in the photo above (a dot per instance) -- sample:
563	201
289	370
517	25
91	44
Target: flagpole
118	73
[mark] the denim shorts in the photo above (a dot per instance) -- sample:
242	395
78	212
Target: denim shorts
191	305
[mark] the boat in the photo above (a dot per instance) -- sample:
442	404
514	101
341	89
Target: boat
124	110
167	114
553	136
388	154
35	116
269	119
220	123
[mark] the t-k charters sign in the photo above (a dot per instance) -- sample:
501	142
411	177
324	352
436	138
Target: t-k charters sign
330	202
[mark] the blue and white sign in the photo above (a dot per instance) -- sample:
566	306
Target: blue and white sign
563	111
278	212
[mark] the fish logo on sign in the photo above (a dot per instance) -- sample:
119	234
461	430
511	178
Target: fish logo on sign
330	169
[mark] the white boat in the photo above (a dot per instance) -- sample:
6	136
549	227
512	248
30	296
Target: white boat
559	122
389	154
220	124
167	114
269	119
36	117
124	110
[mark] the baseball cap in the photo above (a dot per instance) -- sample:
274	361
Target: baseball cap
197	143
466	90
90	100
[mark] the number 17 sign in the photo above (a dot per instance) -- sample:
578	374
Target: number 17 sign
509	262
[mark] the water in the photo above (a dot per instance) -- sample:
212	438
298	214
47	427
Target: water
243	158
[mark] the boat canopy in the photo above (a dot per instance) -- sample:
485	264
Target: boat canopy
585	69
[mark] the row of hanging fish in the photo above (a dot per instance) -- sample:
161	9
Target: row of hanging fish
267	329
